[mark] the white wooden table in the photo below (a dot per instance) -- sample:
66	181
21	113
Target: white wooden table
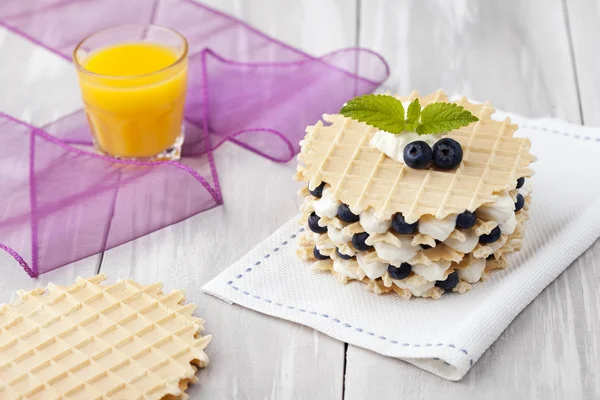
535	57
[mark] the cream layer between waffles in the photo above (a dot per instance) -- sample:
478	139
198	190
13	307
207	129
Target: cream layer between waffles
338	164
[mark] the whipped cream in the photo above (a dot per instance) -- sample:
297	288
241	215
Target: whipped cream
327	205
373	224
438	229
374	269
500	210
337	236
498	243
397	255
346	268
526	189
416	284
471	240
473	272
508	227
433	272
393	145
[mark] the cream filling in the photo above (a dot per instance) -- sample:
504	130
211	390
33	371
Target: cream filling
347	268
327	205
500	210
438	229
374	269
337	236
526	189
433	272
373	224
397	255
416	284
498	243
508	227
473	272
393	145
471	240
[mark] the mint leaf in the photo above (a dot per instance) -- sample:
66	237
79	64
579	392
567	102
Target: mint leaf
444	117
381	111
412	115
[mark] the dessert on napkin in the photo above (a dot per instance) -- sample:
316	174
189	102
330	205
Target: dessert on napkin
90	341
414	195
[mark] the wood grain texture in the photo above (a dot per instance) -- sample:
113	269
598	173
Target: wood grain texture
30	80
13	277
517	55
252	356
514	53
315	26
583	18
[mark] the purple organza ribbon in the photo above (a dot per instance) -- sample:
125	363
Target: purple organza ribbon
60	203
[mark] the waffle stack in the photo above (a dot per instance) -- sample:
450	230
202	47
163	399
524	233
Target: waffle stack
342	170
94	341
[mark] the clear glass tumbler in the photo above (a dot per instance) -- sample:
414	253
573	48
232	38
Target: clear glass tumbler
133	81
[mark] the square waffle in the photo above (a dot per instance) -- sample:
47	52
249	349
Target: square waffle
95	341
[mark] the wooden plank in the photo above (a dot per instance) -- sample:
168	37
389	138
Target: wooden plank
31	79
37	86
253	356
317	27
515	54
583	17
15	278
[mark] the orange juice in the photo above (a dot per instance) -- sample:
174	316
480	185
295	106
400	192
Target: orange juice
134	96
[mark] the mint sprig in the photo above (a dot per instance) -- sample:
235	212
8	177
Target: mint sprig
378	110
413	115
387	113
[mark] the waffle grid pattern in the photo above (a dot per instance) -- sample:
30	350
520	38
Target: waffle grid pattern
93	341
362	177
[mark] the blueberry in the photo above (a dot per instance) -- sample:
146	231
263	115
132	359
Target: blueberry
358	241
313	224
466	220
447	153
417	154
401	272
520	182
318	254
400	225
318	191
450	282
346	215
342	256
519	203
492	237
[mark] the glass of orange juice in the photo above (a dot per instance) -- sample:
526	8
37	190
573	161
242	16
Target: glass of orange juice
133	81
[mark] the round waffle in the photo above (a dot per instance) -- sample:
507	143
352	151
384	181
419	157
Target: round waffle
363	177
94	341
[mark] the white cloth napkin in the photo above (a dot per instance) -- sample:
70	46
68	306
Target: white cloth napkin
446	336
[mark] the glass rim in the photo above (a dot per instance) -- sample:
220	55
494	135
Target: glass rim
179	60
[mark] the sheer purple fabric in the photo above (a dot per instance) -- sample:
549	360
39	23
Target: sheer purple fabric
60	203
